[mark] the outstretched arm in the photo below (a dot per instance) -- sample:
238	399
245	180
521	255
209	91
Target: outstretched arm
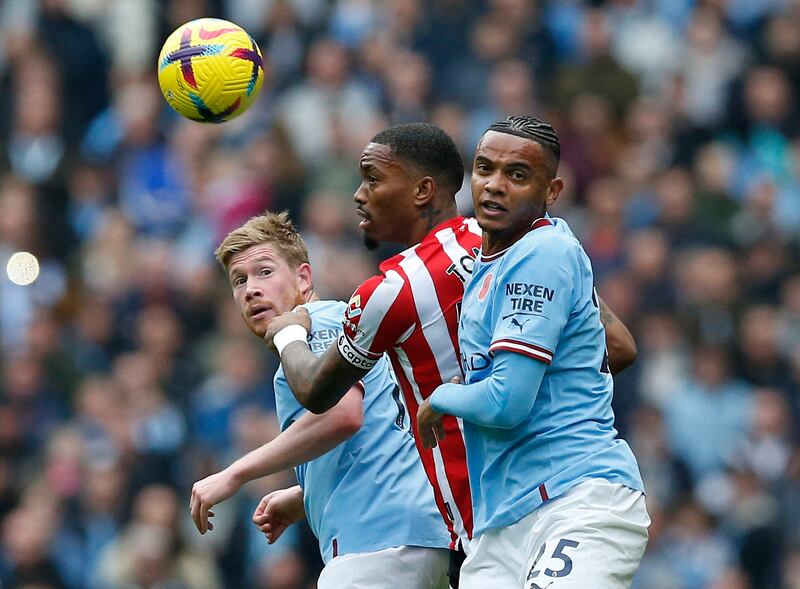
317	382
309	437
619	342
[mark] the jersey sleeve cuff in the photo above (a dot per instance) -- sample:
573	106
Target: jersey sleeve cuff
524	348
356	356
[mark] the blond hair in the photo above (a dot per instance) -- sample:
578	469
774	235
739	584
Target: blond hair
274	228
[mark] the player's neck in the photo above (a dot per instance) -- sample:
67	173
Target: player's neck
429	218
310	297
493	243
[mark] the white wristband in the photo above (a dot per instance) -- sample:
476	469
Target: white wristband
289	334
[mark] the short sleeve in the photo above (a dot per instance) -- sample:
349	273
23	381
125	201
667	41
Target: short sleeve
286	406
375	319
534	295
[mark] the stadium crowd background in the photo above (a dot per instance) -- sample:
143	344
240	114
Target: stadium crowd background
126	373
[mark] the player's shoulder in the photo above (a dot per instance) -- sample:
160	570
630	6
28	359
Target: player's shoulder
548	238
326	314
325	308
391	279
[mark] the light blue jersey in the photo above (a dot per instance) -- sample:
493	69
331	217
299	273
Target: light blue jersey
370	492
537	299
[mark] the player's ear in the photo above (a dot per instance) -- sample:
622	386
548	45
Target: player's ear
424	191
553	191
303	276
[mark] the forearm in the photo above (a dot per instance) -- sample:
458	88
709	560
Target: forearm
620	344
318	383
308	438
503	400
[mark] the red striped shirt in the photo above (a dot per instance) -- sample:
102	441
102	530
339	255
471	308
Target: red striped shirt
411	311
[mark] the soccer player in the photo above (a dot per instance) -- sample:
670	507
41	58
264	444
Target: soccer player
364	491
410	175
558	498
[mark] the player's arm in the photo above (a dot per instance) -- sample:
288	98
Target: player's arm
619	341
318	383
503	400
505	396
309	437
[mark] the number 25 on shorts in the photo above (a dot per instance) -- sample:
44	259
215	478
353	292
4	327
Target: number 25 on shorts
558	554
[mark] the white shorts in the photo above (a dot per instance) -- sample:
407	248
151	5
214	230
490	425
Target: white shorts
592	536
410	567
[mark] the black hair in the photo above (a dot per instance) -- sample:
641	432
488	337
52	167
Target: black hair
429	149
533	129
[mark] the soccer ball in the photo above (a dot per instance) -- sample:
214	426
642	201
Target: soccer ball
210	70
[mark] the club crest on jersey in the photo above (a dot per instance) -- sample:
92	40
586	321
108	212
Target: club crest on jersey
487	282
353	307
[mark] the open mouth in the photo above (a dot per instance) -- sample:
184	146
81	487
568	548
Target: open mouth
364	217
259	311
491	207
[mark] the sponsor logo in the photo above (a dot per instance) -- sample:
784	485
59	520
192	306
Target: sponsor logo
352	329
517	323
536	291
528	298
353	307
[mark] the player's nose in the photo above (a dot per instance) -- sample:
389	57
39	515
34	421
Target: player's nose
494	183
360	195
252	290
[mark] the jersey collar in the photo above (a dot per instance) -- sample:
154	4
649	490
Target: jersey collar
540	222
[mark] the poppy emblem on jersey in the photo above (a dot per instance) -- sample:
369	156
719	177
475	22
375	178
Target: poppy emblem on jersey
487	282
354	307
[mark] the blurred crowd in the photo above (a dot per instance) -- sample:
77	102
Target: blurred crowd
126	373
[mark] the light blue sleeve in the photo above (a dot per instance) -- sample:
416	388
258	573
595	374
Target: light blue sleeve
534	297
503	400
287	408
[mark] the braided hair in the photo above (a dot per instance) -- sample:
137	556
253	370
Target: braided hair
533	129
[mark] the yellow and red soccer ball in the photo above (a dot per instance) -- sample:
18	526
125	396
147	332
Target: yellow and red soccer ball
210	70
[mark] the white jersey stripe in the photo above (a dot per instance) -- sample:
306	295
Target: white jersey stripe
522	348
435	329
441	474
375	309
473	227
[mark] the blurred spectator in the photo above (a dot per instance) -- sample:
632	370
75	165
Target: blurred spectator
708	414
328	101
150	552
711	60
597	72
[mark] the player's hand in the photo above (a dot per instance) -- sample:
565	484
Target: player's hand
277	511
429	425
208	492
299	316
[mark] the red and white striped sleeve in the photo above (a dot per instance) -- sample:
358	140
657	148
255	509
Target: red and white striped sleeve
375	319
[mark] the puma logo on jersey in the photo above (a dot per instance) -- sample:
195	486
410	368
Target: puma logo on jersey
535	586
518	324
